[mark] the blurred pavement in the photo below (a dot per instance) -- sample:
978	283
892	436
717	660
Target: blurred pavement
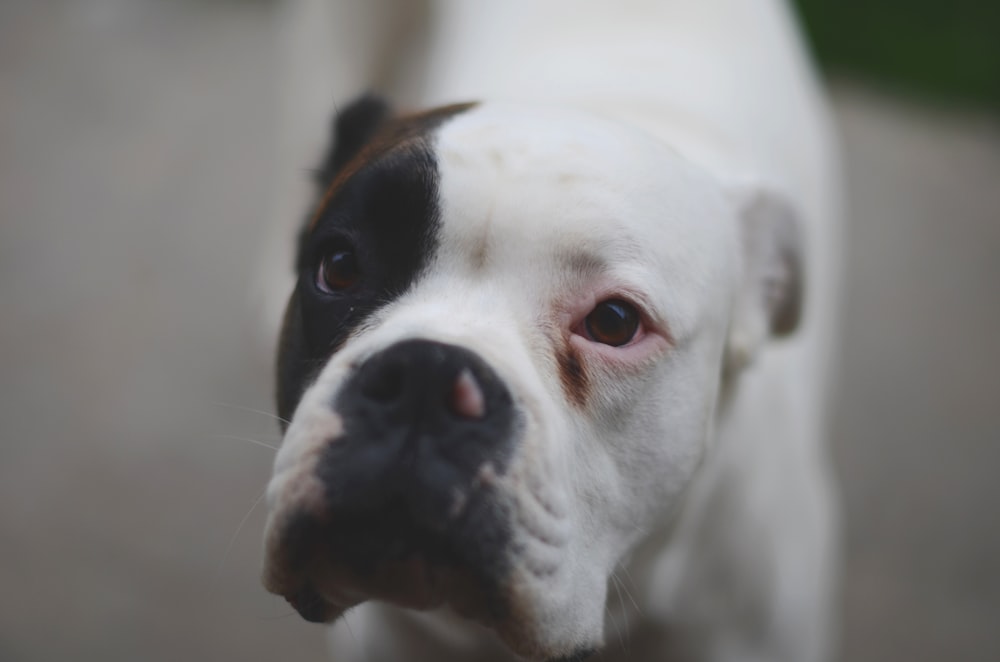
136	154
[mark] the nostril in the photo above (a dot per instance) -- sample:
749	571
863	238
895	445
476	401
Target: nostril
419	419
386	384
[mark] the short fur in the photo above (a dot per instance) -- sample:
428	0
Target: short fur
666	499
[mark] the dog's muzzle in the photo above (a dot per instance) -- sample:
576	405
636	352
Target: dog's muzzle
407	507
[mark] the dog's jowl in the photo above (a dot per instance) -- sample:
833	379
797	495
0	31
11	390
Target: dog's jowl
554	365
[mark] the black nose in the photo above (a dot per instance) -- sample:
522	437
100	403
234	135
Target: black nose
422	420
430	385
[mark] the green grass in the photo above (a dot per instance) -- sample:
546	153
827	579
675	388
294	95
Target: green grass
947	49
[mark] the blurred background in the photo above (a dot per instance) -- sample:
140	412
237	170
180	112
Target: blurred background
138	151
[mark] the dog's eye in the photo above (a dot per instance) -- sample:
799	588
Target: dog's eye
338	271
612	322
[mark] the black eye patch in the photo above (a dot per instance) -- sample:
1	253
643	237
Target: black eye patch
380	201
387	215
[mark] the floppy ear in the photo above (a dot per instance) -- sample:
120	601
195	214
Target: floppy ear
353	127
769	297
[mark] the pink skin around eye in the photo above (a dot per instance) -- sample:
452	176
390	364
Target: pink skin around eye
649	341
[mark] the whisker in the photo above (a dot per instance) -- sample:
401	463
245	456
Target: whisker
350	631
232	540
246	439
628	575
614	623
621	602
627	592
618	630
252	411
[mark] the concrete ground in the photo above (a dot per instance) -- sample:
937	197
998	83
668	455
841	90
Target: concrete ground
136	151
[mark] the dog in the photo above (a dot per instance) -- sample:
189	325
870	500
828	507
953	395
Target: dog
555	366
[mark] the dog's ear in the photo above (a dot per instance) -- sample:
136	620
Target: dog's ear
353	127
769	296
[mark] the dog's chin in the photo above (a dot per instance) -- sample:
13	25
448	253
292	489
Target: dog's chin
323	564
416	584
323	570
411	583
518	610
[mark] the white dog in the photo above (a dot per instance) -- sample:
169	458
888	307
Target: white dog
556	360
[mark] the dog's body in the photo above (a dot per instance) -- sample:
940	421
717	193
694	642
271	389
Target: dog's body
666	497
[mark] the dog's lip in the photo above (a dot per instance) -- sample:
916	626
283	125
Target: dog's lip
412	583
310	605
313	562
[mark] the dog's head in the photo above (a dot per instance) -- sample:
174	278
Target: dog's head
502	360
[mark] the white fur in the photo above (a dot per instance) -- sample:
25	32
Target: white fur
696	476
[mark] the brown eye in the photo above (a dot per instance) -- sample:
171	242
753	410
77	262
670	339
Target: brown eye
613	322
338	270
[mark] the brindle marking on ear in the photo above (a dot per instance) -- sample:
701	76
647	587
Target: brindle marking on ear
400	132
353	127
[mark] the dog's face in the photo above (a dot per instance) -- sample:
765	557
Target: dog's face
501	363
